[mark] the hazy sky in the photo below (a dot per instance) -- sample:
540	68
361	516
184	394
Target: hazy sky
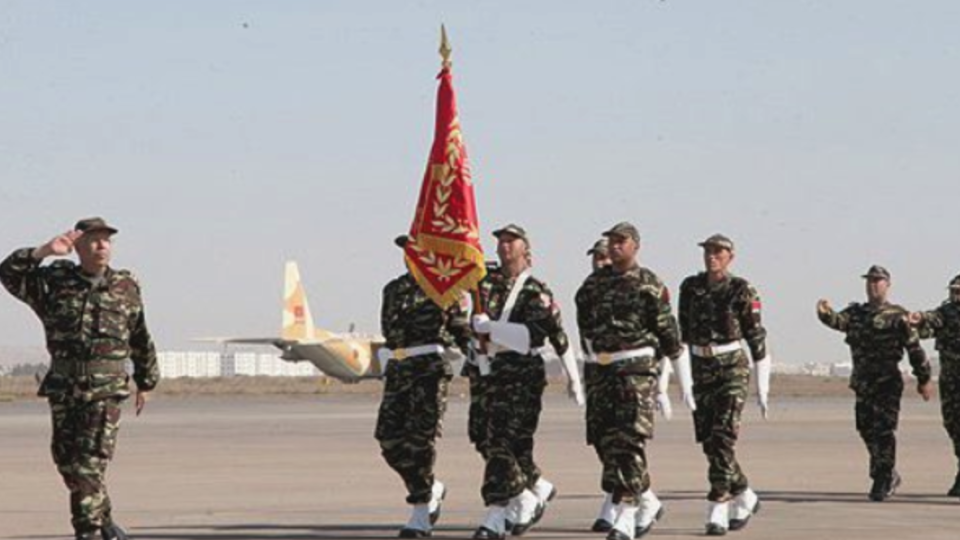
226	137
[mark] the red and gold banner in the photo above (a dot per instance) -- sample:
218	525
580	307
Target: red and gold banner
444	253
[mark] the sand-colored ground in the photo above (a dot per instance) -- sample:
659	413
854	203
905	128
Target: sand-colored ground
299	467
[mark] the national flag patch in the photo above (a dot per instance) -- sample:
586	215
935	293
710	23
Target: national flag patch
665	294
756	305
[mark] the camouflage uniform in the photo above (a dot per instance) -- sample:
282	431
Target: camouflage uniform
513	391
92	327
415	393
619	312
877	336
943	324
717	314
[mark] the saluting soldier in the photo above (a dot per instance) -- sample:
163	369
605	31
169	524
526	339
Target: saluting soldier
878	334
943	324
625	321
718	312
521	318
93	318
416	365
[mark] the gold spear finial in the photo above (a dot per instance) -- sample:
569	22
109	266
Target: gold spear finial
445	49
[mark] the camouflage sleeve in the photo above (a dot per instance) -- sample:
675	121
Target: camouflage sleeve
143	353
668	334
753	331
918	358
838	321
22	275
388	313
683	312
931	322
458	324
584	313
541	316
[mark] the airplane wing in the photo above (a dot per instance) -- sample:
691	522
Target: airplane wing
275	341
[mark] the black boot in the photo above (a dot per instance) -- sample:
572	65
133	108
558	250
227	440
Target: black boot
601	525
113	532
884	486
85	536
955	490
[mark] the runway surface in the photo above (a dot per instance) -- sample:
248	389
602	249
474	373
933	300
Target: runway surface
299	468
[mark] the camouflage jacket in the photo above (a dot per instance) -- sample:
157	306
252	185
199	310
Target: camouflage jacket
91	329
621	311
721	313
535	308
409	318
943	324
877	336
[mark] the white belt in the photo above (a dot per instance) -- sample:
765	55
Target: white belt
419	350
494	349
715	349
605	358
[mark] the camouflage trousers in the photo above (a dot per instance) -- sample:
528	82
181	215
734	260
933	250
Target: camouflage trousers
512	397
83	443
592	383
619	424
877	414
950	399
720	386
477	415
411	418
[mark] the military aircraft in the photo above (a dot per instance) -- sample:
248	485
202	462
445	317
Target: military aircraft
349	357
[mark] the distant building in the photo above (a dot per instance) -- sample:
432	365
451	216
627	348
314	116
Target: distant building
174	364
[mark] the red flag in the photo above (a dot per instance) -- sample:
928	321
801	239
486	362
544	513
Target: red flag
444	253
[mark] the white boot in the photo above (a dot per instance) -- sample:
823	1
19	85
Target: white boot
717	518
544	490
438	492
625	526
513	513
607	515
529	511
419	524
493	526
742	508
651	510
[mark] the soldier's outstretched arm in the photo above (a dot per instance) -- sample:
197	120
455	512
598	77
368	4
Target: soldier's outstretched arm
928	324
143	354
918	361
838	321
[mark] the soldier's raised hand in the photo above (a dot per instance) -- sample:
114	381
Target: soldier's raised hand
59	245
914	318
823	306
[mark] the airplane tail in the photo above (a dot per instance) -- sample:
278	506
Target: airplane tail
297	320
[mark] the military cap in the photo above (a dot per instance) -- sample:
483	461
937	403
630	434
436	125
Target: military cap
955	282
600	246
513	229
94	224
624	229
718	240
402	240
877	272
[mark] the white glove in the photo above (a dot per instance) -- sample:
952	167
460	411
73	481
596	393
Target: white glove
481	323
383	357
452	355
483	363
514	336
763	384
663	403
682	365
574	386
663	388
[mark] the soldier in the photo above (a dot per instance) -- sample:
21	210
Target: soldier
717	311
943	324
599	257
624	316
521	319
416	365
878	333
93	318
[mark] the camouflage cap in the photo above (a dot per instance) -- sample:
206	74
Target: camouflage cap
600	246
94	224
513	229
624	229
955	282
718	240
877	272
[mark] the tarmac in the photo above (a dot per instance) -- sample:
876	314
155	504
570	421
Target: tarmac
308	467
